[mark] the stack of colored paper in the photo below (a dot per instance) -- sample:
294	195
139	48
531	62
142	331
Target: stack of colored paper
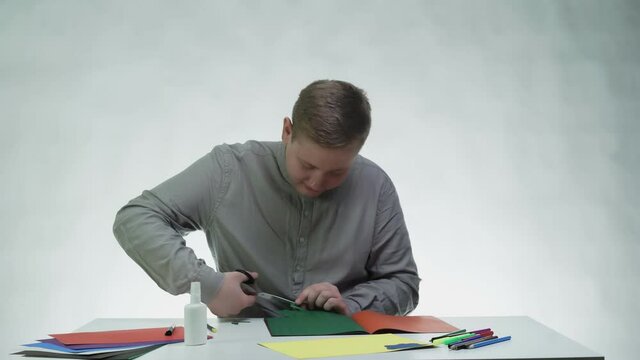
307	322
117	344
373	327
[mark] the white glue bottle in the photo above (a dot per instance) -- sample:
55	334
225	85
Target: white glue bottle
195	318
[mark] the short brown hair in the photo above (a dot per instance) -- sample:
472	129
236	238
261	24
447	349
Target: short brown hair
332	113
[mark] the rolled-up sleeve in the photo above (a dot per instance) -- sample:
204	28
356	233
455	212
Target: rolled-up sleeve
150	228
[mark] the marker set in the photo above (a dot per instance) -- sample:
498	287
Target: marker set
462	339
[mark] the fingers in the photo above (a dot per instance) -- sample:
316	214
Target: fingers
244	279
231	299
324	296
247	289
301	298
249	300
336	305
309	296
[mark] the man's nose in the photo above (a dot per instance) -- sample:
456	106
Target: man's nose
316	181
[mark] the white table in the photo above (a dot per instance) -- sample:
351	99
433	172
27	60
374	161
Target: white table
530	340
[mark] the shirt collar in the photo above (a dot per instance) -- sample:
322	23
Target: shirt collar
282	163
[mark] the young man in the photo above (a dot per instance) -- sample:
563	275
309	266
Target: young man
308	218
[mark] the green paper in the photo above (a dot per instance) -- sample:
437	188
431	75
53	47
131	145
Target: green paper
312	322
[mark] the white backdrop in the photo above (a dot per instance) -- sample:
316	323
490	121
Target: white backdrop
510	129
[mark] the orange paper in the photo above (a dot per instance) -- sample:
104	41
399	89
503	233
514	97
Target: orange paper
373	322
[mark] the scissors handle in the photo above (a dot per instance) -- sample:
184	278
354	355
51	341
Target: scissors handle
248	289
250	279
246	285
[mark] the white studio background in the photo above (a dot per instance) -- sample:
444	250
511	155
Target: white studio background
510	129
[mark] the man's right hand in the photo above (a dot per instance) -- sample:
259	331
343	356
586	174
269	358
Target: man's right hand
230	299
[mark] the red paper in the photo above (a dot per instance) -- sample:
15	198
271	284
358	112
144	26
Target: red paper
120	336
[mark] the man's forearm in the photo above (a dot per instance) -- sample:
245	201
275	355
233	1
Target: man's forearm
144	231
395	295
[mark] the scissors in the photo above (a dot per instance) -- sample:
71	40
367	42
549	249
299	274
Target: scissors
248	287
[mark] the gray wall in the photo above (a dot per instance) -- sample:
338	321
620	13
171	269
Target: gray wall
509	127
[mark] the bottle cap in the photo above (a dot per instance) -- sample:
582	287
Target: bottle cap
195	292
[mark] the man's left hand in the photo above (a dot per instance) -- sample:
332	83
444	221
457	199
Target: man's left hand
322	296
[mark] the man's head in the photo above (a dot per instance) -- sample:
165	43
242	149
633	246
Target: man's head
331	121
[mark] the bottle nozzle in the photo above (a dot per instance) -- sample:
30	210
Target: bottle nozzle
195	292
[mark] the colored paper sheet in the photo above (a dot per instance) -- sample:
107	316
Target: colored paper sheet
352	345
303	323
116	355
47	346
307	322
91	347
374	322
120	336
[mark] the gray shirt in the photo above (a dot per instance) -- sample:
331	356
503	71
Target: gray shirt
353	236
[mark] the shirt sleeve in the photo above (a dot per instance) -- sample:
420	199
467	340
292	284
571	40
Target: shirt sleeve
150	228
394	283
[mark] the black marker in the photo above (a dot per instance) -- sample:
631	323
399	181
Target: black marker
169	331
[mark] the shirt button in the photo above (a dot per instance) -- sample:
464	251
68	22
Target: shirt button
301	240
306	213
298	267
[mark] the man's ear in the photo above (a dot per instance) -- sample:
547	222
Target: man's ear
287	130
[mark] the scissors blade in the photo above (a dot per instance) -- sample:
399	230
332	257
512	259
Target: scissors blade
271	298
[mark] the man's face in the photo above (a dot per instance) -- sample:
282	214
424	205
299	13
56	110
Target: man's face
314	169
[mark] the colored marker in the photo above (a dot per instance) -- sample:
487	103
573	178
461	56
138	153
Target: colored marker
484	332
477	336
457	332
489	342
481	331
169	331
466	344
451	340
461	332
464	340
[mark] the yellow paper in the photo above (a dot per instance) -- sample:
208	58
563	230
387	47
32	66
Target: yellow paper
352	345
